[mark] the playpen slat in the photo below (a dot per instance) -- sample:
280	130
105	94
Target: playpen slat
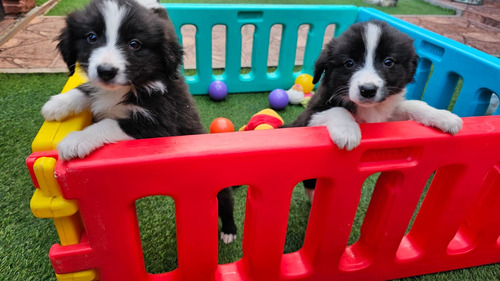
288	50
197	237
203	39
440	88
391	208
260	51
266	221
314	45
458	184
483	220
332	214
233	54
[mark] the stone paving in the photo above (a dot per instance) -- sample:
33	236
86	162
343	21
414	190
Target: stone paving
33	47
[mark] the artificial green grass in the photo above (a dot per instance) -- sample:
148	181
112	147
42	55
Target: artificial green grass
404	7
40	2
25	240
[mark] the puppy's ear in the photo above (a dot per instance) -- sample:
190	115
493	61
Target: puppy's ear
413	68
172	52
320	66
161	12
67	49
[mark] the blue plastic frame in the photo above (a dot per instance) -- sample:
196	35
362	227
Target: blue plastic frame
442	61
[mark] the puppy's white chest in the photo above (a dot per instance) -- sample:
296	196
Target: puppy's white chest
109	104
381	112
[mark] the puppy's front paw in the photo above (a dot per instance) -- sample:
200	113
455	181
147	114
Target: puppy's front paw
345	136
227	238
76	145
342	127
446	122
56	109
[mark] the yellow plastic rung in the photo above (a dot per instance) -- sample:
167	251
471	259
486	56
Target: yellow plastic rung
86	275
47	202
52	132
51	207
44	168
69	229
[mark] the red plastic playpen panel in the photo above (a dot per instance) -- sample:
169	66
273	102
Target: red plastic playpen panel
458	224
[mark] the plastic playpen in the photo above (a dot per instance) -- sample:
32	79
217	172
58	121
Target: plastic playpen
92	201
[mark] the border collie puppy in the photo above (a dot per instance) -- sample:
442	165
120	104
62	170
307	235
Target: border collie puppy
366	71
129	51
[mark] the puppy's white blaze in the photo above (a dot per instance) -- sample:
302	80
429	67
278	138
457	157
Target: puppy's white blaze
371	38
367	74
343	129
110	55
113	16
150	4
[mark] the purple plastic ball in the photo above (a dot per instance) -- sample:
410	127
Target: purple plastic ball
217	90
278	99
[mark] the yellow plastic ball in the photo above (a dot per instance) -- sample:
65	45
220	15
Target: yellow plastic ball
306	81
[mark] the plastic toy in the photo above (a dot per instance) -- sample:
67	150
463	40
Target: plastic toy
221	125
263	120
217	90
457	225
278	99
295	94
305	80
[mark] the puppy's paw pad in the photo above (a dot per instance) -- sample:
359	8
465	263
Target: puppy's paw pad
55	109
227	238
75	145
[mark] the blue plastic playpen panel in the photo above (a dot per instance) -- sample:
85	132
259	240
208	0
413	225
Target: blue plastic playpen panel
443	62
263	17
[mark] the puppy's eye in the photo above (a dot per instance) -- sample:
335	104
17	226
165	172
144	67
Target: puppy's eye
91	38
389	62
135	44
349	64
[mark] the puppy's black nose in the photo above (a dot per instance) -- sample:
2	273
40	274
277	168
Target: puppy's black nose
106	73
368	90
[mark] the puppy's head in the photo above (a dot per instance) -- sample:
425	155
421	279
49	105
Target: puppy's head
369	62
121	43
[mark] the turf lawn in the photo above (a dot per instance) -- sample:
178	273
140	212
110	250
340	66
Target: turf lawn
26	240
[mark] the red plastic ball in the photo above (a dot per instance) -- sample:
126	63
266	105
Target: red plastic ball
221	125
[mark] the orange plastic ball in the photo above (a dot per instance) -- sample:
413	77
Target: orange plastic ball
306	81
221	125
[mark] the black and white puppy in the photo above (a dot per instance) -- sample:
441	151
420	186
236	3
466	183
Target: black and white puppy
366	71
129	51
